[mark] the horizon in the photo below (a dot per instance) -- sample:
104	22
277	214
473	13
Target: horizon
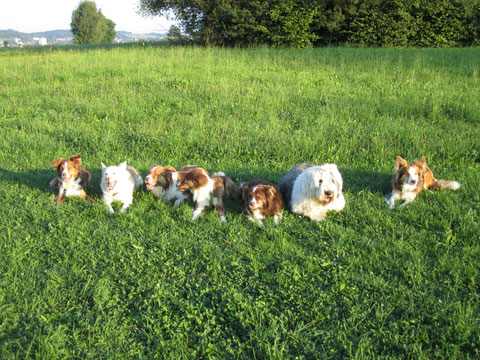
31	17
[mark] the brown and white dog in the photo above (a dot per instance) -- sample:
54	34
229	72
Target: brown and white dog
207	190
162	182
410	179
71	178
261	199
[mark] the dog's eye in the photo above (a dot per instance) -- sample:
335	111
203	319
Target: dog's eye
320	181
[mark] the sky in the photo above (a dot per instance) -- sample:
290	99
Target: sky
43	15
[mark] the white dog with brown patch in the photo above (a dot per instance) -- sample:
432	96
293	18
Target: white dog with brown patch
312	190
118	183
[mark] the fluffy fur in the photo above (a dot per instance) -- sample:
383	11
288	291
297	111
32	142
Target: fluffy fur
71	179
261	199
207	190
118	183
312	190
410	179
162	181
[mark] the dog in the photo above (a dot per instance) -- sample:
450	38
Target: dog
162	182
312	190
261	199
207	190
71	179
410	179
118	183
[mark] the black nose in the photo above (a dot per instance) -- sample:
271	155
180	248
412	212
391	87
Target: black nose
328	192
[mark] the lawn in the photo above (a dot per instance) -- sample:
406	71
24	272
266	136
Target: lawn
368	282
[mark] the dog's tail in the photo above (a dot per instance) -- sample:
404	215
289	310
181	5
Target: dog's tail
230	186
445	184
137	178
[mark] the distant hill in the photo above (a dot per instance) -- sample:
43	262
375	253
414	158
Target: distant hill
53	36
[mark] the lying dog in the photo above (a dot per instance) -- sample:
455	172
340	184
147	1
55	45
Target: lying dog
312	190
71	179
207	190
118	183
261	199
410	179
162	182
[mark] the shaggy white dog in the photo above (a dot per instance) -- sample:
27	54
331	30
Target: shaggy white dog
312	190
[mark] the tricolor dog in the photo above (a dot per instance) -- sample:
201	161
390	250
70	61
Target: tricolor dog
410	179
207	190
261	199
71	179
162	182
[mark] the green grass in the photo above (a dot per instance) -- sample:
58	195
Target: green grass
77	282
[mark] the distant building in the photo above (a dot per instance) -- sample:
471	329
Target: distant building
40	41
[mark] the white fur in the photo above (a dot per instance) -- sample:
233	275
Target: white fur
123	182
308	192
201	197
169	194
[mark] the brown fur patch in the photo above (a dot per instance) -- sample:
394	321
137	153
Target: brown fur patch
267	196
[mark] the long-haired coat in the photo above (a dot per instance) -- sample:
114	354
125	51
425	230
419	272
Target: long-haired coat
261	199
410	179
162	181
207	190
312	190
71	179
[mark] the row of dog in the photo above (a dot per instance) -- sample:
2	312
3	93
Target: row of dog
307	189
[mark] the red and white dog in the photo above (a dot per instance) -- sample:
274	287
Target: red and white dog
162	182
410	179
207	190
261	199
71	178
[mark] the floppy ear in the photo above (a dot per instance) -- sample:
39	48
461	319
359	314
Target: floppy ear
123	165
57	162
401	163
422	162
76	159
169	168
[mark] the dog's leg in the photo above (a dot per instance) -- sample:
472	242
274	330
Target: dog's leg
60	196
108	201
180	200
276	219
84	195
390	199
218	203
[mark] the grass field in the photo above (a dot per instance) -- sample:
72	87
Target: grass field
77	282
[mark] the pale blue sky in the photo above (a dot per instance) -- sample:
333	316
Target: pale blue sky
43	15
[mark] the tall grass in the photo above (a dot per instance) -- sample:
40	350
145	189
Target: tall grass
77	282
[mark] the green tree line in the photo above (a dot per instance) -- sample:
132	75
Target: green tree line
90	26
419	23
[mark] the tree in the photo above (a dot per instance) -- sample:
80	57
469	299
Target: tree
174	32
90	26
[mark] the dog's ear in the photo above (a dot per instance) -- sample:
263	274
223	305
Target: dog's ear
57	162
422	162
401	163
102	165
169	168
76	159
123	165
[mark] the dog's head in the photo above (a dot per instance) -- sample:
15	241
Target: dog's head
159	176
410	176
68	169
326	182
112	174
260	197
193	180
